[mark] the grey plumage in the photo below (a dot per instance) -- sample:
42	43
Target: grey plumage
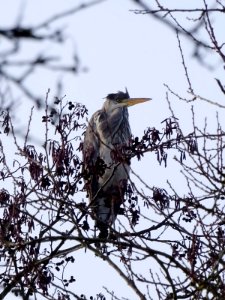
106	169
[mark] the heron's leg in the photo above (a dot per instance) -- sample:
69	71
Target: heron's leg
112	211
102	211
95	229
113	214
102	215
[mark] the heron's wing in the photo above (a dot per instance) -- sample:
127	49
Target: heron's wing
90	154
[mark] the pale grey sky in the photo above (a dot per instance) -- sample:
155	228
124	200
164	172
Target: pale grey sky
121	49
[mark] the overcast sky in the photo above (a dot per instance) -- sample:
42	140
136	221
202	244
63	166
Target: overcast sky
120	49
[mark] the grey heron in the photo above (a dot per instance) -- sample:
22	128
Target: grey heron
107	171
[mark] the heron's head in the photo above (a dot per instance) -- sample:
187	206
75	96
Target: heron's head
121	99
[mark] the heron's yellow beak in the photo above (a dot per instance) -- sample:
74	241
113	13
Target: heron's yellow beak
133	101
